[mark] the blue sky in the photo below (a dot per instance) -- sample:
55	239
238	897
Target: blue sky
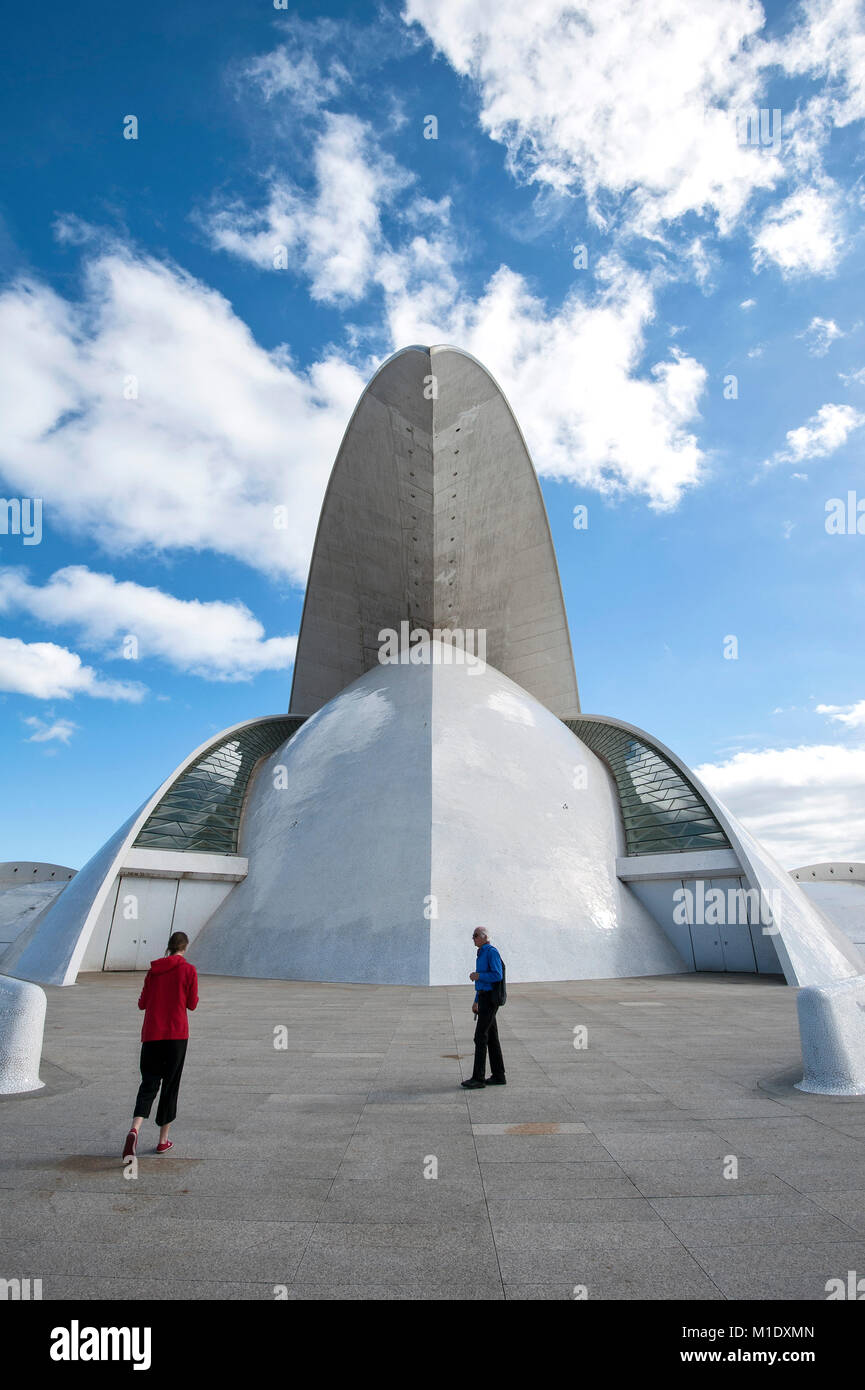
192	313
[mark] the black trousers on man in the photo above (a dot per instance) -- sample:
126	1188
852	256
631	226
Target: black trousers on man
487	1037
161	1065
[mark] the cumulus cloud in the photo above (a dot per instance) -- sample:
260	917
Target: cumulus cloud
661	122
332	235
829	42
851	716
146	415
219	641
821	435
820	335
802	235
220	439
50	730
651	116
49	672
571	373
291	71
805	804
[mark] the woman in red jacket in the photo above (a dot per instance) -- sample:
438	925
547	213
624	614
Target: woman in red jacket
170	988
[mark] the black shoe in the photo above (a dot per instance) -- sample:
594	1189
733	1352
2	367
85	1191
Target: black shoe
496	1081
472	1085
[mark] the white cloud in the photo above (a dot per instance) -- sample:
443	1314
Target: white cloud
851	716
220	641
292	73
634	100
49	672
804	804
802	235
820	335
55	731
829	41
821	435
747	303
699	258
655	126
569	373
221	433
332	236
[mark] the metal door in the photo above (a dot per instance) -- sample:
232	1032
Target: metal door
705	938
142	921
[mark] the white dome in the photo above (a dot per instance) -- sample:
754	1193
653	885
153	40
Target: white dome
421	801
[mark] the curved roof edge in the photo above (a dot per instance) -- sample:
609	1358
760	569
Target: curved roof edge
50	953
811	949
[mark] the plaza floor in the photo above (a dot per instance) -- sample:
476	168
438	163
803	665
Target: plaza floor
300	1169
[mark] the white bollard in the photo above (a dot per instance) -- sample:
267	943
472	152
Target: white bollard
832	1029
22	1023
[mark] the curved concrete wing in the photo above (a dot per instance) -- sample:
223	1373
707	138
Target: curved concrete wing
51	951
434	516
810	948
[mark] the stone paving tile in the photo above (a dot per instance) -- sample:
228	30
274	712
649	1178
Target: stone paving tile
418	1263
273	1257
583	1265
637	1237
509	1211
530	1149
690	1285
557	1180
701	1177
167	1290
761	1271
410	1200
734	1207
450	1237
461	1291
813	1175
672	1144
849	1206
768	1230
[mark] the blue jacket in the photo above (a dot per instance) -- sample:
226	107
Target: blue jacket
489	968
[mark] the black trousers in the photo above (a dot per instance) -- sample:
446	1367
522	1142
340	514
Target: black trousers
487	1037
161	1065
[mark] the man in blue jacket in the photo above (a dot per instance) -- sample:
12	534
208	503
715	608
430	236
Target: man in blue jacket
486	976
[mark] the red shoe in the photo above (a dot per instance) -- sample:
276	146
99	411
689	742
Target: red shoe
131	1141
163	1148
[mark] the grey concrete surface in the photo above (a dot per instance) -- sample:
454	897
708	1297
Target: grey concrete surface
434	514
299	1172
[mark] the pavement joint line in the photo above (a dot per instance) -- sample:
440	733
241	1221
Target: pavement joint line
452	1002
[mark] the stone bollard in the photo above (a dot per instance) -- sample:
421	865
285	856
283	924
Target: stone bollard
22	1022
832	1029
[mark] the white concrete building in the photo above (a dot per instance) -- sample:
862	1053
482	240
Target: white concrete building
362	836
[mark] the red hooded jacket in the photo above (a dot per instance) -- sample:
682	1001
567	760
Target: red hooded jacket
170	988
